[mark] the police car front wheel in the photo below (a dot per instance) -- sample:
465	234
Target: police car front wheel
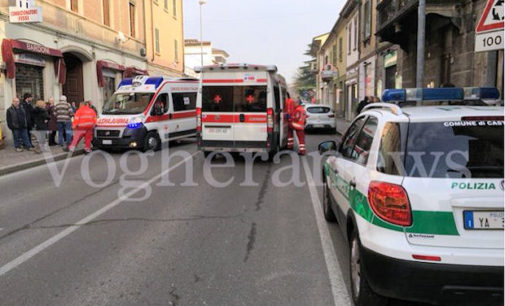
362	294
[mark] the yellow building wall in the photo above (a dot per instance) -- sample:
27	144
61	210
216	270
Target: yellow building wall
169	22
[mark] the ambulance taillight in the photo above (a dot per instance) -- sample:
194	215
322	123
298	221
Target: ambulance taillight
270	120
198	119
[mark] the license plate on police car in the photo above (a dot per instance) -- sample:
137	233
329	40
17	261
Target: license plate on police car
107	142
483	220
318	125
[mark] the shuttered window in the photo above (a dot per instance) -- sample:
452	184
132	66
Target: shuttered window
157	40
132	19
74	5
106	12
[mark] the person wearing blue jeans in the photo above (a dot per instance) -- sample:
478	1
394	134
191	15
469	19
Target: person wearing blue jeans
21	139
17	122
63	112
64	127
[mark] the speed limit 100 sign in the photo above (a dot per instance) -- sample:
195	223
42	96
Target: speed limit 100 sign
489	31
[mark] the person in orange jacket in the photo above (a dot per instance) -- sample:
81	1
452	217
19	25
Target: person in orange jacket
298	124
290	109
83	124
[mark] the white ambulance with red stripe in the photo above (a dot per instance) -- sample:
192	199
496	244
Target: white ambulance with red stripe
146	111
240	108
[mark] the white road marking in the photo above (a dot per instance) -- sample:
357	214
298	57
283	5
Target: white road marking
44	245
338	287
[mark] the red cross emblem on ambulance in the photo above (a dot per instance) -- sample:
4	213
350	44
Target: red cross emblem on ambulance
217	99
250	99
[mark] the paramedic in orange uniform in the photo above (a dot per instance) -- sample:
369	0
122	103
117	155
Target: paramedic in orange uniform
83	124
298	124
290	109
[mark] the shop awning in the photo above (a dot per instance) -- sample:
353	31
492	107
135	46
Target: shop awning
109	65
9	46
134	71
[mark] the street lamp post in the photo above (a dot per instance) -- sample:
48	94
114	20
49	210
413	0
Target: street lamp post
201	2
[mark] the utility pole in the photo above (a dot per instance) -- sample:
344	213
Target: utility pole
201	2
421	34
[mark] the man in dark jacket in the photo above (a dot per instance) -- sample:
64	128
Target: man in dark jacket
18	123
362	105
27	105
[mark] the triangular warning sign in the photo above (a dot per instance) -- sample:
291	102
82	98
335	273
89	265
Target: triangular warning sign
493	17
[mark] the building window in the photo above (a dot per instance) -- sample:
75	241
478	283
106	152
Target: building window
176	47
74	5
367	20
340	49
166	5
106	12
157	40
334	55
355	33
349	38
174	4
132	19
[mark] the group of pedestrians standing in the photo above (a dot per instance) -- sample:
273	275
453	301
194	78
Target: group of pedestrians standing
45	119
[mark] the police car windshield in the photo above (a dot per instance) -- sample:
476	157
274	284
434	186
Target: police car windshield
127	103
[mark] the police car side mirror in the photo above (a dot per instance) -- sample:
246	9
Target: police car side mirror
327	146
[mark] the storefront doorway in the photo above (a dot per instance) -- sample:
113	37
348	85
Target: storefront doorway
73	87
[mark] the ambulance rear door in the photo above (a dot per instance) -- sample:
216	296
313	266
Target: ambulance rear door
234	109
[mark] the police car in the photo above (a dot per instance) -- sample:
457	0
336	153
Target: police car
417	186
145	112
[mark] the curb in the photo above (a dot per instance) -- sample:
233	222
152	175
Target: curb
38	162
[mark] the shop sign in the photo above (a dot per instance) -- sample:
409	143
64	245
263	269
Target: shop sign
25	11
390	59
30	59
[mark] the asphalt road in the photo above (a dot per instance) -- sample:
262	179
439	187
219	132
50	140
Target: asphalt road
66	242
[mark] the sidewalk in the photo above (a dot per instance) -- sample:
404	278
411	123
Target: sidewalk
342	125
12	161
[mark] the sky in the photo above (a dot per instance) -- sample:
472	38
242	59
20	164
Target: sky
270	32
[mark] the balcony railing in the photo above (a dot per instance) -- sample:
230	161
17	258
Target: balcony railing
390	10
328	75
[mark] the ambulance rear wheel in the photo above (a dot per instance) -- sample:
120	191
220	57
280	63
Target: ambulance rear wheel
152	142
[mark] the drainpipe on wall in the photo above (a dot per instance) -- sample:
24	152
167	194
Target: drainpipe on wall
421	33
152	33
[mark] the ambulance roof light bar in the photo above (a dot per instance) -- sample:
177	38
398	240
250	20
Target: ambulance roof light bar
440	94
269	68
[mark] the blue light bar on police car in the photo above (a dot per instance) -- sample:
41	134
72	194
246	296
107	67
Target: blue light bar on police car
483	93
439	94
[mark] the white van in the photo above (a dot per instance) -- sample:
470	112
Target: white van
146	111
240	109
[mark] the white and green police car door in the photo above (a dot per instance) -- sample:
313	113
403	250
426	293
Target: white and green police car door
343	170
